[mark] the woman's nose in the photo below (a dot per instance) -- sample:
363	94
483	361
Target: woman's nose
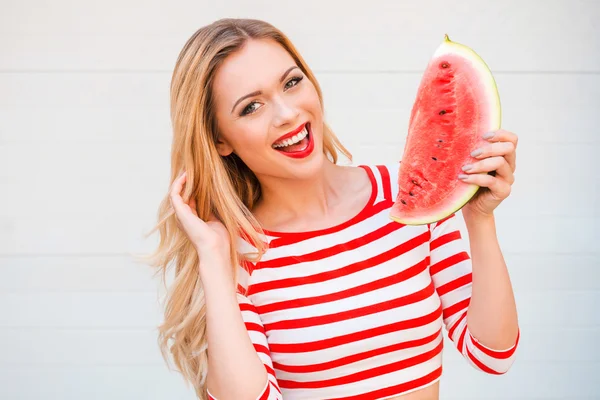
285	113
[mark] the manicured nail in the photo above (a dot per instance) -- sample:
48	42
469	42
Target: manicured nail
467	167
463	176
489	135
476	153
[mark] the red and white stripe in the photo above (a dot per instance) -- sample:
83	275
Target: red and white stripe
356	311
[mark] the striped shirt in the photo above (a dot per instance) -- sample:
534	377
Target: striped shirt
356	311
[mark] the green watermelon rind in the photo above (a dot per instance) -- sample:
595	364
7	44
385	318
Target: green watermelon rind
490	87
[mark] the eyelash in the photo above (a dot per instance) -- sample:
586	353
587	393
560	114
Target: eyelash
296	79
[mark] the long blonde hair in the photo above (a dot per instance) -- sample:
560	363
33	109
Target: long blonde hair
223	186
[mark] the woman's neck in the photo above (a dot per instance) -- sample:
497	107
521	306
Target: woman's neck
286	200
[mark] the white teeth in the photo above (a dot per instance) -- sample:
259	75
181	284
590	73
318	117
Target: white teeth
293	140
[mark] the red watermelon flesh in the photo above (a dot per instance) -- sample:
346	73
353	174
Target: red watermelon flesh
457	103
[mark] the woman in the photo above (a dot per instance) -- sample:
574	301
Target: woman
291	280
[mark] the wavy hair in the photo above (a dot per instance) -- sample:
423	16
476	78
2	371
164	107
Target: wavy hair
223	186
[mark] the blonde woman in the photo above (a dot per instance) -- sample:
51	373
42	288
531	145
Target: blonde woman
290	279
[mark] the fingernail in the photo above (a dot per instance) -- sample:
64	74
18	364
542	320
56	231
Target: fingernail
489	135
463	176
467	167
477	152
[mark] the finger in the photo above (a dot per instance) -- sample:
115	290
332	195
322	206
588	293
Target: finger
506	149
193	206
493	149
511	159
177	184
175	193
498	165
502	135
187	217
191	201
181	208
505	173
498	187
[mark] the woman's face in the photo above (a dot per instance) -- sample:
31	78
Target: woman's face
268	112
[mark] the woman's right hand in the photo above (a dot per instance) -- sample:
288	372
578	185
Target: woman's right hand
210	238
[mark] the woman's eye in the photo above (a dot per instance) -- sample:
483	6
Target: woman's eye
250	108
293	82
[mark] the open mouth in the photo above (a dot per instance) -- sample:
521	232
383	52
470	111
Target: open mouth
296	143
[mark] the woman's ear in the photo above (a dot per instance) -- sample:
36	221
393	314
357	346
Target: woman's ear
223	147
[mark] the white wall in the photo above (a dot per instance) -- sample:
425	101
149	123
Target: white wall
84	160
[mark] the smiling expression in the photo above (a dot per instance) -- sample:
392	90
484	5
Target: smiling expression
268	112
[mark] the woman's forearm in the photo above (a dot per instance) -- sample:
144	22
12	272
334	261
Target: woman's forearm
492	314
234	369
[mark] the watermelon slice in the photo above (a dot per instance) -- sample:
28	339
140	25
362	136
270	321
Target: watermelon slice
457	103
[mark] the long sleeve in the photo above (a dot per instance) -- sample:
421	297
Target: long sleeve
451	271
256	331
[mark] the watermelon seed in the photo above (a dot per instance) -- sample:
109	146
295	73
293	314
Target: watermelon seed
411	193
442	112
445	65
403	202
440	140
434	159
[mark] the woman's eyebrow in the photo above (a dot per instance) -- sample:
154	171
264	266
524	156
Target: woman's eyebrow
286	73
258	92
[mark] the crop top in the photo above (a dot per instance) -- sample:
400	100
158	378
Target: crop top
356	311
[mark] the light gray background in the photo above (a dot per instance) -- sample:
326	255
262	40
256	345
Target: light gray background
84	161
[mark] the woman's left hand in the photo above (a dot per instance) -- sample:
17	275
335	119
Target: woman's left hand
498	156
